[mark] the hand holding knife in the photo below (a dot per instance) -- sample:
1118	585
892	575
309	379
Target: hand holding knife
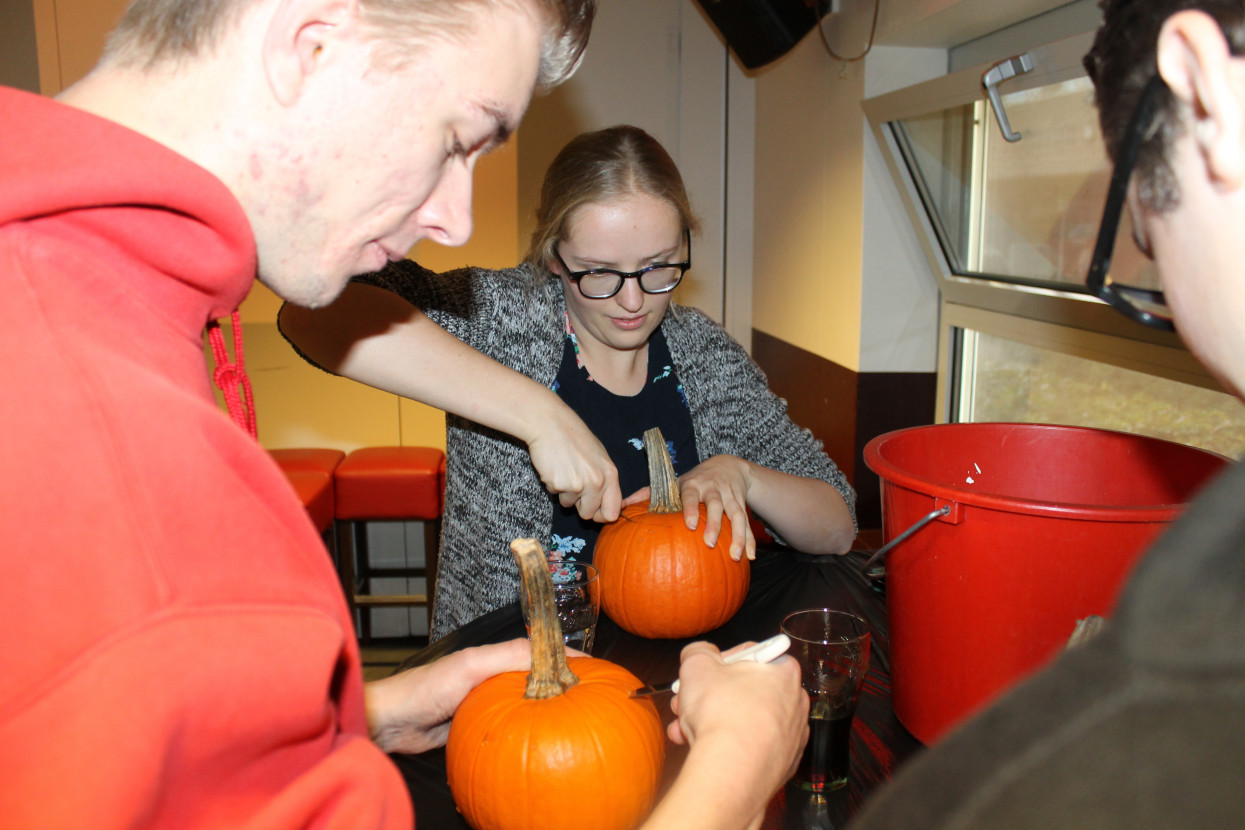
763	652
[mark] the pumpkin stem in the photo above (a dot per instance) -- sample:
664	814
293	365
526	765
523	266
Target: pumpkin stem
662	482
550	676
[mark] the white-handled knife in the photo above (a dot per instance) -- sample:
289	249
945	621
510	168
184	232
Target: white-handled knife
763	652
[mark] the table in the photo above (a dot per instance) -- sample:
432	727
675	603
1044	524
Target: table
781	582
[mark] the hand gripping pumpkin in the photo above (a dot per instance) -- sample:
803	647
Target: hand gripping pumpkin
659	579
565	747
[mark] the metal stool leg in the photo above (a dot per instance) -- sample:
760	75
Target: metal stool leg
363	578
345	566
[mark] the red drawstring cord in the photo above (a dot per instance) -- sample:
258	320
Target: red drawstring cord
230	377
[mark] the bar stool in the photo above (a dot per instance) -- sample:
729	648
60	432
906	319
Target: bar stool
308	459
315	489
310	471
386	484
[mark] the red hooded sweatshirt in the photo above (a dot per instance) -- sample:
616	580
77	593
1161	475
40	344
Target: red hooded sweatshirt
174	646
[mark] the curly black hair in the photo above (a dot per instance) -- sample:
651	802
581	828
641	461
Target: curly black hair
1122	61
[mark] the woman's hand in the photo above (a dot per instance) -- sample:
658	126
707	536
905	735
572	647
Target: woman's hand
573	464
410	712
721	484
808	513
375	337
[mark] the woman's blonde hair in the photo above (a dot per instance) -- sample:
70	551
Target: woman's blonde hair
599	167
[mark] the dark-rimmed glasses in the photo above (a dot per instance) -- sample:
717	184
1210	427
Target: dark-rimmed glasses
1143	305
603	283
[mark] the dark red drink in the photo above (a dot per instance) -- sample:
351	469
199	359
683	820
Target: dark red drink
832	648
827	755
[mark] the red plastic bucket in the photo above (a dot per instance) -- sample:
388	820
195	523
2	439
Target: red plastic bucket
1042	526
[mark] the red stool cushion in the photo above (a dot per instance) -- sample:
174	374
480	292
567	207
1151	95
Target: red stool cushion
389	483
312	459
315	489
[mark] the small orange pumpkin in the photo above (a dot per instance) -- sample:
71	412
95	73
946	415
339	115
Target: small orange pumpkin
659	579
565	746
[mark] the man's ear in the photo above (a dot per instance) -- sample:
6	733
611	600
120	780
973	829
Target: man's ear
298	33
1209	86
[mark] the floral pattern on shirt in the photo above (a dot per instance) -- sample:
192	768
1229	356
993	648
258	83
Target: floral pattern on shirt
570	333
564	575
638	443
668	371
565	548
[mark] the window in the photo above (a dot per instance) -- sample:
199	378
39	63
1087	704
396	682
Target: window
1008	228
1015	381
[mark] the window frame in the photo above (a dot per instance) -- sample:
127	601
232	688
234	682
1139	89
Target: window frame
1057	316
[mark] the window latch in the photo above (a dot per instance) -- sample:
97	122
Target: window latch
994	76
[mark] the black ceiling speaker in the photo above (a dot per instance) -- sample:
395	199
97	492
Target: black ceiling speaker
761	31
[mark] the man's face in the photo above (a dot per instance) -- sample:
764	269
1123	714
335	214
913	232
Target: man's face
375	159
1199	253
1197	243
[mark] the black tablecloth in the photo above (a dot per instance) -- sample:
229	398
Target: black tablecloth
782	582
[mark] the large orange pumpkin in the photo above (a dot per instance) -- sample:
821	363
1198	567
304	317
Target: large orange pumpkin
565	746
659	579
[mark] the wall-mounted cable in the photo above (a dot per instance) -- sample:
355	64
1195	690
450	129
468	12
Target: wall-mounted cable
821	28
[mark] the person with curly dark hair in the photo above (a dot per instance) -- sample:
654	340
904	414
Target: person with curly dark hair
1144	725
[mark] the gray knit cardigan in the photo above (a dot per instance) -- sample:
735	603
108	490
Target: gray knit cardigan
492	492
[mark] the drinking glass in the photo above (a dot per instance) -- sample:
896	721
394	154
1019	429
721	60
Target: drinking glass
832	648
577	595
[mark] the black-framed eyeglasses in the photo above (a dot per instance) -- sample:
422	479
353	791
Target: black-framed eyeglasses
603	283
1144	305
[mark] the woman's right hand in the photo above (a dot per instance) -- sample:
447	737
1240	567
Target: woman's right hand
573	464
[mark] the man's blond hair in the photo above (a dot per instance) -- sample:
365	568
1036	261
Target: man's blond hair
153	32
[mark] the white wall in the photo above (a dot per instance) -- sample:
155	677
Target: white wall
807	216
899	295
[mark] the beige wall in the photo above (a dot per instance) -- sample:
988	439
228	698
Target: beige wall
807	216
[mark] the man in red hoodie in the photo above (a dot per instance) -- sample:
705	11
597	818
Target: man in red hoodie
177	651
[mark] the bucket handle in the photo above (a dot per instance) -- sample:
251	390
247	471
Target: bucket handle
920	523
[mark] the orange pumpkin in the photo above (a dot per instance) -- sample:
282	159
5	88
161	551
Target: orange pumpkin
659	579
565	746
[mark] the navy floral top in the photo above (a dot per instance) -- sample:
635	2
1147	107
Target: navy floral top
619	422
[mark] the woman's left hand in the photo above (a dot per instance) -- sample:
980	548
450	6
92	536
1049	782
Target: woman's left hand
807	513
721	484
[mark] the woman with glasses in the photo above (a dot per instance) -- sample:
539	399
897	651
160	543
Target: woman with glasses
588	315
